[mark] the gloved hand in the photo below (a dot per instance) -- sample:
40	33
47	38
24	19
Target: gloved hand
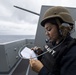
37	50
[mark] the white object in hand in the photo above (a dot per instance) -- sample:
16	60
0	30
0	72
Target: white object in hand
27	53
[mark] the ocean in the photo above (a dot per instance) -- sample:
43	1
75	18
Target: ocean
9	38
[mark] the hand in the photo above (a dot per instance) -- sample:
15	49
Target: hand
37	50
36	65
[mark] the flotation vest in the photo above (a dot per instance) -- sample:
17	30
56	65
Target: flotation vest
52	62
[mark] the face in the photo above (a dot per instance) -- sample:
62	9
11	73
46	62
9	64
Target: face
51	31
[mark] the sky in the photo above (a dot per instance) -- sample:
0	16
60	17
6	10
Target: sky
14	21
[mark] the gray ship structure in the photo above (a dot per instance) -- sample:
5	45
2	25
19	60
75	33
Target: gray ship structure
10	62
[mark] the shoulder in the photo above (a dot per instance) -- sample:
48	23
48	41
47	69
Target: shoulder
68	62
70	55
72	50
71	45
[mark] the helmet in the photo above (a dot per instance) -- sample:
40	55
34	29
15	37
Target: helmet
57	12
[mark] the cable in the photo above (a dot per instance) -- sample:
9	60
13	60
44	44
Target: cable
48	50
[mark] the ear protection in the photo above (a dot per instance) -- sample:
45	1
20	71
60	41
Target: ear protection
64	28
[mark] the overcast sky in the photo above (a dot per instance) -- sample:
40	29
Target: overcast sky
18	22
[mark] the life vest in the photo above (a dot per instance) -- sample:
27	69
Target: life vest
52	62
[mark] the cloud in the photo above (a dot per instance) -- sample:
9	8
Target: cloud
12	28
3	10
16	21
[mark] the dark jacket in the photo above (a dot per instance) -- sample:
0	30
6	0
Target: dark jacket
63	62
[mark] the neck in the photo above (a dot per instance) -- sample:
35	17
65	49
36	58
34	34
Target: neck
58	40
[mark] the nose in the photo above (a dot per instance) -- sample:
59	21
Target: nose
47	33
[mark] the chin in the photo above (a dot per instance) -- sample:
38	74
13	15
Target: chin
52	40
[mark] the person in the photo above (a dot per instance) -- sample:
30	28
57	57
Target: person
59	54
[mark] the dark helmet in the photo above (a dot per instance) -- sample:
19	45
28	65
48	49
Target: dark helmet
57	12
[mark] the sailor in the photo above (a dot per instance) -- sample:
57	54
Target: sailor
60	58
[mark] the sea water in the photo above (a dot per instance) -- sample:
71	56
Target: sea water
9	38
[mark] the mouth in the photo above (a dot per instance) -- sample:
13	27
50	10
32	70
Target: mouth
50	38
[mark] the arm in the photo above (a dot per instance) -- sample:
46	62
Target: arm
68	63
38	67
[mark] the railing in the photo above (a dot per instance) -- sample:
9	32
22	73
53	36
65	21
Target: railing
9	53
